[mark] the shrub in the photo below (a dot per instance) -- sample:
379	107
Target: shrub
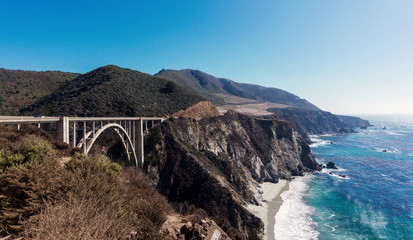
31	150
86	198
78	161
97	207
23	191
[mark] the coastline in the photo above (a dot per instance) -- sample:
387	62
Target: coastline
270	202
273	207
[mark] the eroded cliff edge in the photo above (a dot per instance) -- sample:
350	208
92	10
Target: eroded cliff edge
216	163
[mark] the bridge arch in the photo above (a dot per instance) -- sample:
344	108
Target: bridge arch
124	137
131	131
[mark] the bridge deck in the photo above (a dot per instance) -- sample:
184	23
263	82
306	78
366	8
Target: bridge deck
43	119
22	119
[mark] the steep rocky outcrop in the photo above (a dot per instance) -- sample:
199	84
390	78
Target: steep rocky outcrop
311	122
178	227
199	110
216	164
354	122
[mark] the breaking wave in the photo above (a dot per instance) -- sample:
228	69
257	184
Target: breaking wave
293	219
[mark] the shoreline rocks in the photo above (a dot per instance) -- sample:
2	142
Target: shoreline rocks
331	165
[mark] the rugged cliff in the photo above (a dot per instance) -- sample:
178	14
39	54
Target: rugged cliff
354	122
216	164
312	122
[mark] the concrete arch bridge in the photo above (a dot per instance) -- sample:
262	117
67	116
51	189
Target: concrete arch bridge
82	132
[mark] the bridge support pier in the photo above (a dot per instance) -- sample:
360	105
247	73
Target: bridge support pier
63	129
140	147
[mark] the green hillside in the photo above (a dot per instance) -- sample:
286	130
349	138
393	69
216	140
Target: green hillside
222	90
21	88
198	82
114	91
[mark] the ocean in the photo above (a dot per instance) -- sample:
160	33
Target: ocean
369	196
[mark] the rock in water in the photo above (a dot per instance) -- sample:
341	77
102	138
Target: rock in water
331	165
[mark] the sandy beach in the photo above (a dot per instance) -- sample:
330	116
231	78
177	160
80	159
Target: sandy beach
270	201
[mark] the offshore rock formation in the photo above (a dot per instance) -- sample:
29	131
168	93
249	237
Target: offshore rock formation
216	164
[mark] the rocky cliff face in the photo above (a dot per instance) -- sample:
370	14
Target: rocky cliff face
312	122
354	122
216	164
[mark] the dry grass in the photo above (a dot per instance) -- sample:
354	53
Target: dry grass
87	198
98	206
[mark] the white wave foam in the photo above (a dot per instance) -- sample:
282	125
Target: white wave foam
375	220
293	219
340	176
333	229
394	133
339	169
383	150
331	172
316	142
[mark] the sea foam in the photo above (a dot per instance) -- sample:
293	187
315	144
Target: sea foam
332	173
316	142
293	219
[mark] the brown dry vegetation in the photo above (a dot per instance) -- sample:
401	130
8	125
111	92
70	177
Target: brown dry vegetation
86	198
199	110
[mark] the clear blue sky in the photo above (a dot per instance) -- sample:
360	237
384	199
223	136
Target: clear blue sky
348	56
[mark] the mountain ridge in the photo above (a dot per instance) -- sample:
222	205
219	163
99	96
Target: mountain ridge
20	88
114	91
260	101
212	88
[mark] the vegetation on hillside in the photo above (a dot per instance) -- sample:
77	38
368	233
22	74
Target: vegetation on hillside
115	91
202	84
217	90
19	88
42	197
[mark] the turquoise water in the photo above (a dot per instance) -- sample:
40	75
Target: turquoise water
373	197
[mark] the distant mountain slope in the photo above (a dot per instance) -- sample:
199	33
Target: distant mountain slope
221	90
21	88
114	91
261	101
